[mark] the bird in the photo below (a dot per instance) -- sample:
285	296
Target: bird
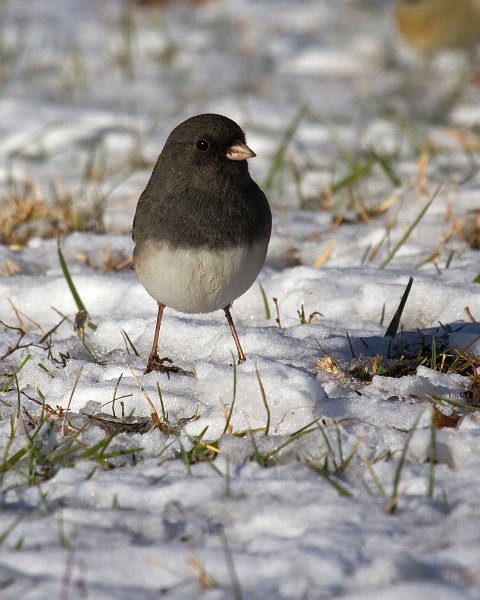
429	26
202	225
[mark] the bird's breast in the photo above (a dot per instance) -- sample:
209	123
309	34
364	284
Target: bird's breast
198	279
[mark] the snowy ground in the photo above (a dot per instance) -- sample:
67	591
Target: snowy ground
348	465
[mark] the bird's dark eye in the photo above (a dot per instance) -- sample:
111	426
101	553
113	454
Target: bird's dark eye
202	145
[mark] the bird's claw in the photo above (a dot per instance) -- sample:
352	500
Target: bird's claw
157	364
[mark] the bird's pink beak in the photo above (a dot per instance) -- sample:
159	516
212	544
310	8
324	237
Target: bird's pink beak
239	151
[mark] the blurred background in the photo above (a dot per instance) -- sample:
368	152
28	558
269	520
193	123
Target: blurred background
339	99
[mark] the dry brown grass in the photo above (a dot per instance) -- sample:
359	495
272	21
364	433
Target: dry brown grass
25	213
111	260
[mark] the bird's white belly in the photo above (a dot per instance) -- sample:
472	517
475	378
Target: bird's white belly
197	280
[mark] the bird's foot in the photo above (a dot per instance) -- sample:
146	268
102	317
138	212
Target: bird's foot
240	360
157	364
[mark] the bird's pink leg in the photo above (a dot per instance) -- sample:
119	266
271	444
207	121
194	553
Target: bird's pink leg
241	356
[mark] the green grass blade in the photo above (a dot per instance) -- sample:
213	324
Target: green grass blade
264	398
227	477
97	451
68	279
8	530
409	230
457	404
305	430
374	476
342	490
279	155
268	314
326	439
449	262
128	342
352	352
162	405
13	377
431	458
433	355
122	452
392	503
446	504
395	322
382	315
234	395
387	169
236	589
71	285
9	463
357	172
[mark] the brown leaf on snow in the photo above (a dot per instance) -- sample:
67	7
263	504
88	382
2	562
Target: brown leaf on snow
442	420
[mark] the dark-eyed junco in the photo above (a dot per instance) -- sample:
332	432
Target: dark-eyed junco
202	225
432	25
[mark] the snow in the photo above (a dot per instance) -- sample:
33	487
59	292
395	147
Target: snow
300	510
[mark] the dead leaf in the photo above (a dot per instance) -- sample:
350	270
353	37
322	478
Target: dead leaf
442	420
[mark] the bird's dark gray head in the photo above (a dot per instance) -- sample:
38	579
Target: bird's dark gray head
208	143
